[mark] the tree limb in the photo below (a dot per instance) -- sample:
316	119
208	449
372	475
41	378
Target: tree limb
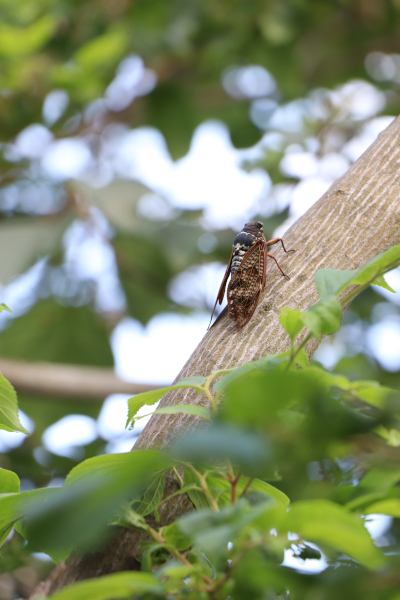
68	381
356	219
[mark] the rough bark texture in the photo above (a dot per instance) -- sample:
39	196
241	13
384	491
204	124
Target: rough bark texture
357	218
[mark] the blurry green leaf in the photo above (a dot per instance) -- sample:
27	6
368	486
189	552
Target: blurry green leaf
148	398
116	585
14	506
392	436
328	379
138	462
226	380
196	496
270	393
371	392
118	201
153	553
216	442
212	531
24	241
325	522
145	271
54	333
9	482
77	515
19	41
292	321
9	485
329	282
308	553
324	317
4	307
219	484
302	359
176	570
266	363
175	538
378	483
9	407
188	409
268	490
103	50
390	507
127	517
151	497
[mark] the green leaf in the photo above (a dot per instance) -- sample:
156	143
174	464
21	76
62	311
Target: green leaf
328	379
176	570
378	265
151	498
116	585
302	358
265	363
257	485
222	383
211	531
292	321
148	398
392	436
329	282
9	407
9	482
219	484
215	442
21	41
4	307
324	317
196	496
390	507
131	519
103	50
381	282
54	333
325	522
14	506
372	392
134	464
189	409
77	515
175	538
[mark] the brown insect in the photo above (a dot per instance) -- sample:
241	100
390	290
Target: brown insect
248	270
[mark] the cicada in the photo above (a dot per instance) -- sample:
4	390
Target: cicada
248	271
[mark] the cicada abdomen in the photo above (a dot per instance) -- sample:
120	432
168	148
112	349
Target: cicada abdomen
247	268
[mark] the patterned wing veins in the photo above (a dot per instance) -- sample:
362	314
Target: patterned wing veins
246	284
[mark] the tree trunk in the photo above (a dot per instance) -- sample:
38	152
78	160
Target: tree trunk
356	219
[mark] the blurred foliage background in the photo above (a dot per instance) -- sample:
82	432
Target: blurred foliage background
136	138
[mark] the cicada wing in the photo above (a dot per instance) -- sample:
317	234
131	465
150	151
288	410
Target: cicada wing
221	292
247	283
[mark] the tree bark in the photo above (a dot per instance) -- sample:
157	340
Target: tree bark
356	219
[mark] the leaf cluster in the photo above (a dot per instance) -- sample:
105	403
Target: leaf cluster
293	460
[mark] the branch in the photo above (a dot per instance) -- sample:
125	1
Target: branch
68	381
356	219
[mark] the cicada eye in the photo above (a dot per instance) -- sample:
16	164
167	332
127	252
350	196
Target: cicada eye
259	224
